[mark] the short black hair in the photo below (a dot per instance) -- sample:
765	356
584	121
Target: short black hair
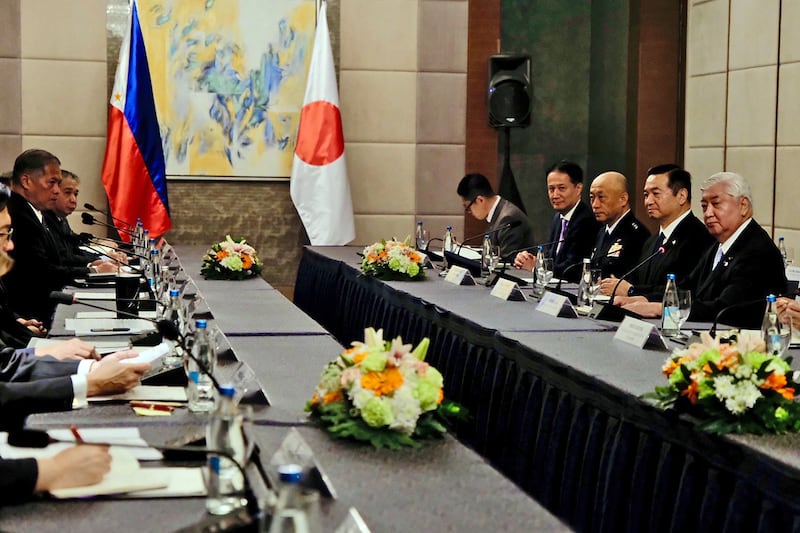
5	194
573	170
66	174
473	185
677	178
30	161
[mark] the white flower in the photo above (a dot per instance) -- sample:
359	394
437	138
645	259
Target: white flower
724	387
748	392
406	410
735	405
743	371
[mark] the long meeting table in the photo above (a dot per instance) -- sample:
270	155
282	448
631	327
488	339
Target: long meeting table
442	486
556	406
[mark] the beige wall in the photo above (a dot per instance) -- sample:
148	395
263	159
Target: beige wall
743	103
403	95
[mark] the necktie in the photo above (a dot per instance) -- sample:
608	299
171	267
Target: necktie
563	234
717	258
659	242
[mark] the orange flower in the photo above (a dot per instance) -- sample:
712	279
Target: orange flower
315	399
786	392
671	366
691	392
331	397
774	381
222	254
441	396
247	261
384	382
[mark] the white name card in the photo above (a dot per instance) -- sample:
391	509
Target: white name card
459	276
506	289
556	305
793	272
638	333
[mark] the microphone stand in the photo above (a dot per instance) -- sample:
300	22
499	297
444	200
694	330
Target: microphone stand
90	207
89	220
615	313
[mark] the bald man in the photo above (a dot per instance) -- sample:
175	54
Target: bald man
619	242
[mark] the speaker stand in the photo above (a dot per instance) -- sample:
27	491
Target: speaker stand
508	185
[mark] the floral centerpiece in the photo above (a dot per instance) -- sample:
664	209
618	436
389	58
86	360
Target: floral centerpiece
732	387
392	260
383	393
231	259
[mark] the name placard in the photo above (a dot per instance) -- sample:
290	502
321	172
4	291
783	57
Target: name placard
638	333
459	276
506	289
793	272
556	305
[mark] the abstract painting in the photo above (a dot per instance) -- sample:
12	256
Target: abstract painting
228	79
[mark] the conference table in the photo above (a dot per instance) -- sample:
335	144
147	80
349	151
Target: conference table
556	406
443	485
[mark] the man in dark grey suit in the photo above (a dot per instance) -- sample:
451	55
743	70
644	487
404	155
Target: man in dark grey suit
667	198
482	203
745	266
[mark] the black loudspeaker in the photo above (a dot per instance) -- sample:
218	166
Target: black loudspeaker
510	91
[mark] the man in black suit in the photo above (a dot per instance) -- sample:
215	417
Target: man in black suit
481	202
619	242
667	198
40	268
744	267
573	228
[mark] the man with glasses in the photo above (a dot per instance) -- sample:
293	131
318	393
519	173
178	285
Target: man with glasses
481	202
40	268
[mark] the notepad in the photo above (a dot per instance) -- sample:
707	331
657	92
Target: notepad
146	393
152	355
107	326
111	314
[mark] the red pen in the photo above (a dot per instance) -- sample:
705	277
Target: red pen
74	430
152	406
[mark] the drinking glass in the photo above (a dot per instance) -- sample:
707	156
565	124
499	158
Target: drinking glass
684	307
594	286
422	241
544	273
494	258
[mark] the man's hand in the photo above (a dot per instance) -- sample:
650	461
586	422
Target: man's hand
112	376
35	326
71	349
75	467
788	310
643	307
525	261
105	267
607	286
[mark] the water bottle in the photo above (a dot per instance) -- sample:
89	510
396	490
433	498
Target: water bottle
144	242
447	245
200	388
782	248
486	254
671	314
138	233
225	483
539	274
421	238
585	284
155	270
295	511
174	313
771	327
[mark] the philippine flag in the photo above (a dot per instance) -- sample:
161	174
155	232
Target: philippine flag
134	173
319	187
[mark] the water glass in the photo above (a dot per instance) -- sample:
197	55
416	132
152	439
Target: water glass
594	285
423	239
544	273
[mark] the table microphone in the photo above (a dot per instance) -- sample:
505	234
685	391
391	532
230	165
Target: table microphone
86	237
33	438
89	220
660	251
529	248
90	207
713	330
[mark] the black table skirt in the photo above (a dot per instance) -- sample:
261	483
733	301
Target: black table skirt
599	458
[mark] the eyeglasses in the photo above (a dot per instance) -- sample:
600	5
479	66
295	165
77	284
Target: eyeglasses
7	234
469	205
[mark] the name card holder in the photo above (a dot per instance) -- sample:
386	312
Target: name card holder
793	272
556	305
639	333
505	289
459	276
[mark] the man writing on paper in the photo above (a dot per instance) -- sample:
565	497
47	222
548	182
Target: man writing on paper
481	202
619	242
573	229
667	198
734	276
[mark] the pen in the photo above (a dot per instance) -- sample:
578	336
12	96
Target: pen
74	430
108	330
153	406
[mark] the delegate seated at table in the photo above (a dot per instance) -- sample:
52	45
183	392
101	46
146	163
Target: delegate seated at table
745	267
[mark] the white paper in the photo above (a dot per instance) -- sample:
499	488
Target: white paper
184	482
552	304
146	393
459	276
469	253
506	289
638	332
107	326
113	435
111	314
150	355
90	295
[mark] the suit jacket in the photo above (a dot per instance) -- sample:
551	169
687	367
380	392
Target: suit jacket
617	253
17	479
12	333
38	268
67	242
752	269
687	244
510	239
578	242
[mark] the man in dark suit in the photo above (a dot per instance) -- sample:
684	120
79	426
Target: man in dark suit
40	268
573	228
56	219
667	198
481	202
745	266
619	242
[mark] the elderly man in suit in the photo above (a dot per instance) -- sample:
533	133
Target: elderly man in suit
573	228
619	242
743	268
481	202
681	236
